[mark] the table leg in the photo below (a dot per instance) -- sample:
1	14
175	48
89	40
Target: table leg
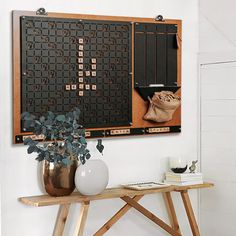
82	218
151	216
116	217
171	211
190	213
61	219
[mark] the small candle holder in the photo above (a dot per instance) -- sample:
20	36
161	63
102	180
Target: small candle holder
178	165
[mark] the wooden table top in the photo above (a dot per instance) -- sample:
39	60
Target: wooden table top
46	200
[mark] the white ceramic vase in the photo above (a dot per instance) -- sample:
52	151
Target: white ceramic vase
92	177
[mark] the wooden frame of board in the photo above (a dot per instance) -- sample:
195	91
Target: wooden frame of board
139	126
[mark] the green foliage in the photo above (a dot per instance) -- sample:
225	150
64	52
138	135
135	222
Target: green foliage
64	138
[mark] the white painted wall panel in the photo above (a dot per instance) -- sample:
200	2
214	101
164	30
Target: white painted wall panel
218	148
217	123
218	139
210	203
219	154
219	224
218	84
219	107
217	43
225	91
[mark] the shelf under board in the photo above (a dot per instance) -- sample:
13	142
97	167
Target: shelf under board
146	92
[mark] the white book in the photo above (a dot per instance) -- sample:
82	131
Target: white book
183	183
184	176
173	178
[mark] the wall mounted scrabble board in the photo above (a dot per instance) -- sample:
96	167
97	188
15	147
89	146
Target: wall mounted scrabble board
108	66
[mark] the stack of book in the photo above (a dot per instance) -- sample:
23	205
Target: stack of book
183	179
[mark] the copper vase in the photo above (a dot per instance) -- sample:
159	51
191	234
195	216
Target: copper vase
59	179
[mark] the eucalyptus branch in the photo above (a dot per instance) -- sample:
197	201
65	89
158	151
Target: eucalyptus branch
66	136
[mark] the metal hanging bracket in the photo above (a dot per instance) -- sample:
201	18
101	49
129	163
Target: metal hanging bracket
41	11
159	18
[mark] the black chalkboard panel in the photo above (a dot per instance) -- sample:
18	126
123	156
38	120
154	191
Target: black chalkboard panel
161	65
150	58
155	54
171	60
140	59
71	62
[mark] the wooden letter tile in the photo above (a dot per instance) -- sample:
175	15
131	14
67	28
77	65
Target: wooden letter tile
81	40
87	86
80	60
94	66
81	79
80	73
67	87
94	87
81	93
94	73
73	87
87	73
81	66
81	86
93	60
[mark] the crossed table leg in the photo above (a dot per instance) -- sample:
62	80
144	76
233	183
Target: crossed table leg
173	230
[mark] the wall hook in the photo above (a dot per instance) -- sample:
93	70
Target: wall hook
159	18
41	11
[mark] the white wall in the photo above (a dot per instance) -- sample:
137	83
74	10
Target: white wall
216	20
129	159
218	112
217	78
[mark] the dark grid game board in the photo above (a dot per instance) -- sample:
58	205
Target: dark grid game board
67	63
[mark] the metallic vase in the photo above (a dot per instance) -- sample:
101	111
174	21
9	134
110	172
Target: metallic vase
59	179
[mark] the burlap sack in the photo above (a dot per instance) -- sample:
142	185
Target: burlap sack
162	106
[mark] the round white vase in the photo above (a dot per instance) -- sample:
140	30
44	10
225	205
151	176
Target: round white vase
92	177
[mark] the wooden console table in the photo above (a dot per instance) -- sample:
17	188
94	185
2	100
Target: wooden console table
131	197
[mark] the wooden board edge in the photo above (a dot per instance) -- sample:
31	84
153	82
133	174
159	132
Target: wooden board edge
195	186
96	17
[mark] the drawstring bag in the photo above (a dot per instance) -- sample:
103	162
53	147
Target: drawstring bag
162	106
